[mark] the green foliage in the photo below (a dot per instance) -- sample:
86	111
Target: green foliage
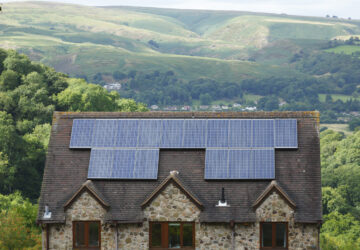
340	159
29	93
18	229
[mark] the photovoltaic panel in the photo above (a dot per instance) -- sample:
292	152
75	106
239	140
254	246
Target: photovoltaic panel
263	133
217	133
240	133
149	133
123	164
101	163
127	133
216	164
146	166
81	134
194	133
240	163
286	133
105	133
172	133
263	164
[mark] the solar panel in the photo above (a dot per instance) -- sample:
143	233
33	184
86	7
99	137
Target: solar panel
286	133
217	133
127	133
216	164
263	164
149	134
123	164
194	133
146	166
172	133
81	134
105	133
262	133
101	163
240	164
240	133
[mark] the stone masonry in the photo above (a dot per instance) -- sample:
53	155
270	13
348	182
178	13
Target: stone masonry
173	205
83	209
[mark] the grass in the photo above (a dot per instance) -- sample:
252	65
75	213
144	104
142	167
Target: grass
336	97
346	49
83	40
344	128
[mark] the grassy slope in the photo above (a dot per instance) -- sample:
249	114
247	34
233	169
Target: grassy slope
84	40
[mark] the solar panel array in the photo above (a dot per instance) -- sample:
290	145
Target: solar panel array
123	164
240	164
235	148
184	133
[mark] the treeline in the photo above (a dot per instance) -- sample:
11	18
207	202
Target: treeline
321	73
29	93
340	162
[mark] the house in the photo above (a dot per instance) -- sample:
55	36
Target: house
154	107
189	180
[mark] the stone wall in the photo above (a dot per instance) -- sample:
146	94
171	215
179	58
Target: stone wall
275	209
84	208
173	205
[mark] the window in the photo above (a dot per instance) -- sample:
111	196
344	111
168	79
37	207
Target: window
274	235
172	235
86	235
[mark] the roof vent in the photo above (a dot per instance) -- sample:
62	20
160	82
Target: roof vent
47	214
222	202
174	172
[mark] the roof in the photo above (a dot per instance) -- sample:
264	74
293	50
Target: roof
297	173
273	187
172	178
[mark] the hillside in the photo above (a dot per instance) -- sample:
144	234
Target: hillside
83	41
197	57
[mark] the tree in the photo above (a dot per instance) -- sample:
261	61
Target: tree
205	99
9	80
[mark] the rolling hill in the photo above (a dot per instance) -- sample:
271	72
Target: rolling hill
220	45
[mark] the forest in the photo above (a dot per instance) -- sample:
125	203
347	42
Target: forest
30	92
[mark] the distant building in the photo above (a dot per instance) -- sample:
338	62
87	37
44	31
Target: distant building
154	107
204	107
250	108
224	107
171	108
215	107
113	86
186	108
236	105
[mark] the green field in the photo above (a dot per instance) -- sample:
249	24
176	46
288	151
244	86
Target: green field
344	128
83	40
336	97
346	49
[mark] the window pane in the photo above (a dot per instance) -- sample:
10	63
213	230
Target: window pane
187	234
94	234
79	234
174	235
266	235
281	235
156	235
